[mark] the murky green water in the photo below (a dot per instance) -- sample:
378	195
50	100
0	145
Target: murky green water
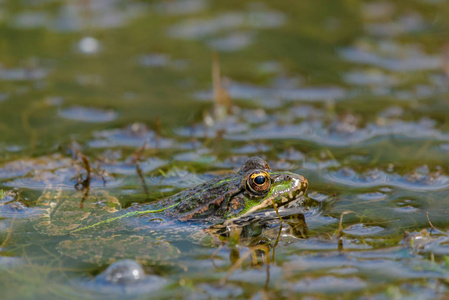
351	94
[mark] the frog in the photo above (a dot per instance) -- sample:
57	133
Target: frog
95	234
253	187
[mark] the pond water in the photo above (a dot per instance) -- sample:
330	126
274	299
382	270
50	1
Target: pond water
353	95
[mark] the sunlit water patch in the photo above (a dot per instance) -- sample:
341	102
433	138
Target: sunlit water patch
231	24
245	91
135	135
420	180
72	16
392	56
88	114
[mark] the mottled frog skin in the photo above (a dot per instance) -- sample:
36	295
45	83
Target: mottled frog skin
254	186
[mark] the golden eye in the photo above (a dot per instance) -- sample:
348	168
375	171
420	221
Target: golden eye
258	182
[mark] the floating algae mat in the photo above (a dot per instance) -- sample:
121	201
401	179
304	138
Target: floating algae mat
108	107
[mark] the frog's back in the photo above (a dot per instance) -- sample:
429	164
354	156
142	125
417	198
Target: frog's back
204	199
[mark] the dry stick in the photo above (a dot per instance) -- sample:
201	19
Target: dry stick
340	225
222	101
339	232
87	167
85	195
85	184
430	223
239	262
137	158
142	178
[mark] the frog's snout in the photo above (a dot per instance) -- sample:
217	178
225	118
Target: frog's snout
299	185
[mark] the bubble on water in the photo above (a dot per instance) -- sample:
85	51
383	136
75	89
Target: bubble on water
123	277
122	272
89	45
88	114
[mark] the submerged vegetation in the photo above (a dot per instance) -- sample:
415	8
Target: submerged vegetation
109	107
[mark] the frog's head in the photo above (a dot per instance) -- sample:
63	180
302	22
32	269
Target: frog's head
260	187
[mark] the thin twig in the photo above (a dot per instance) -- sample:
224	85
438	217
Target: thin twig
430	223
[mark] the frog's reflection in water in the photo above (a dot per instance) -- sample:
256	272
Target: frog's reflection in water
260	237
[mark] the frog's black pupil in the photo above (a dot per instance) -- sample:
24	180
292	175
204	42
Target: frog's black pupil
259	179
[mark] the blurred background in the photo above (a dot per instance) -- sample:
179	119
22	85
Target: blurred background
70	68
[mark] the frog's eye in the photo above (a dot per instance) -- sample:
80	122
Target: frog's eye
258	182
